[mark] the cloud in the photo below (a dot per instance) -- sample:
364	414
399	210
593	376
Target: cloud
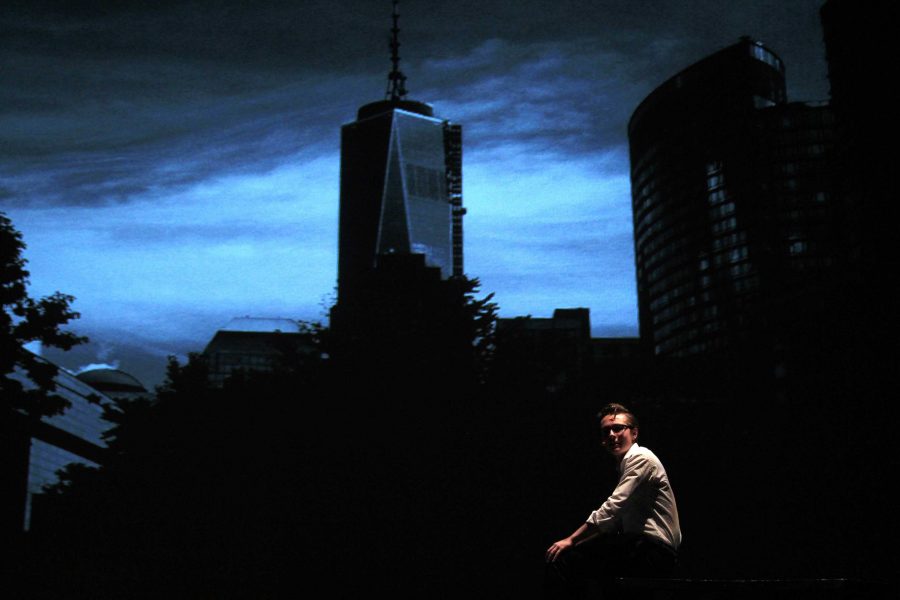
176	164
548	230
188	260
96	154
539	93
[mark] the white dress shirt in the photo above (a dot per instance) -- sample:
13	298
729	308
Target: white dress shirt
643	501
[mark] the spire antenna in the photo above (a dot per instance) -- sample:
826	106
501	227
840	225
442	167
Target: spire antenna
396	89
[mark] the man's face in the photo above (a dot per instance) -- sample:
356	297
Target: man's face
617	434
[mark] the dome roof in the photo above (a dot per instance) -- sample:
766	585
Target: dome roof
111	380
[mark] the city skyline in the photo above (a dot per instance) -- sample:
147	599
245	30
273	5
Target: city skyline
177	167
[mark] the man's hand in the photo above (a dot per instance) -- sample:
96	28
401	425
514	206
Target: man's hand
558	548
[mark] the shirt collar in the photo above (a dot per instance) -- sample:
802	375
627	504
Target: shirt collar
631	451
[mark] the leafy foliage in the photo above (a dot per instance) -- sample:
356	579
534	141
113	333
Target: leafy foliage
24	320
336	470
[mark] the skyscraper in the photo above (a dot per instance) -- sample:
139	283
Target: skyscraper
732	200
857	39
401	185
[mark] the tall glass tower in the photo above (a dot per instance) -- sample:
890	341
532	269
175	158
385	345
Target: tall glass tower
732	201
401	185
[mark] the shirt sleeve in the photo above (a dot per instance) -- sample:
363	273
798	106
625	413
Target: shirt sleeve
636	470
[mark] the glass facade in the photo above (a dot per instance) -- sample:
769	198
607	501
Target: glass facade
400	191
75	436
730	193
416	215
254	344
797	163
45	461
262	352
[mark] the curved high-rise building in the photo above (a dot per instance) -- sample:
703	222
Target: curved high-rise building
730	199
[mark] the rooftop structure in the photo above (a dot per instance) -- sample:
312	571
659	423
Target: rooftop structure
255	344
559	346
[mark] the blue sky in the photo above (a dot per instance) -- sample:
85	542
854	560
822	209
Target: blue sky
173	167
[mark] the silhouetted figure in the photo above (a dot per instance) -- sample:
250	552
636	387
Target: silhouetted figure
635	533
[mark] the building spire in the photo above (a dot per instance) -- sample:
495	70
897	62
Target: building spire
396	89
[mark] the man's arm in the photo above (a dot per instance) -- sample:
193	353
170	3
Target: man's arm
636	470
583	533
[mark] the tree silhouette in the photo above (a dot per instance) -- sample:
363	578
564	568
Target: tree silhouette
322	474
23	320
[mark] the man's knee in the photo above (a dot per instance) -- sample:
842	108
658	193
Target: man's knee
652	559
562	578
566	569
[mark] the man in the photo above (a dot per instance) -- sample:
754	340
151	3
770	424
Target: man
634	533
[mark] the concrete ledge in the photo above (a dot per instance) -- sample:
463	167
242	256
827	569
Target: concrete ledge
754	588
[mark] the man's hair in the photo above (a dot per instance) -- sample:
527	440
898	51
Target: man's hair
615	408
